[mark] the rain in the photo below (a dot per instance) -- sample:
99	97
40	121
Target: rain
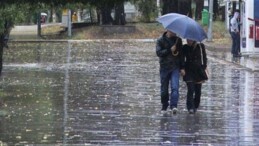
106	92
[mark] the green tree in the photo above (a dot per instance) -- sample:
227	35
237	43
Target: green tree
169	6
185	7
177	6
119	13
148	9
104	10
9	14
199	8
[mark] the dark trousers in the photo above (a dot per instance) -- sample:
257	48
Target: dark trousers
235	50
193	95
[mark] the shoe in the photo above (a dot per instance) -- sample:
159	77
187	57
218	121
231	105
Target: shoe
174	110
191	111
163	112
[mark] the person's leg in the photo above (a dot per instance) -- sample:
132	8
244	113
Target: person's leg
164	79
238	44
190	93
174	88
233	42
197	97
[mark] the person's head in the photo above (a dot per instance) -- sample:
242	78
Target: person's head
236	15
170	33
190	42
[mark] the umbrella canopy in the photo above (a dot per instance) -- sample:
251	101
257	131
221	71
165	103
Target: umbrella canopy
183	26
43	14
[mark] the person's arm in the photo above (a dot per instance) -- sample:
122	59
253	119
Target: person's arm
234	25
182	53
182	60
160	50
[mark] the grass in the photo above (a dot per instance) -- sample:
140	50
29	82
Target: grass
142	31
220	35
52	29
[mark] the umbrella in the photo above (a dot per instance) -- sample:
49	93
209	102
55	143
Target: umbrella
43	14
183	26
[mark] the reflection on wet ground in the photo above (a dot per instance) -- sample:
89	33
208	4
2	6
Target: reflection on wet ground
248	61
107	93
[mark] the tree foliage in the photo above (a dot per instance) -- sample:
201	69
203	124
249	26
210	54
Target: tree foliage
10	14
169	6
148	9
104	9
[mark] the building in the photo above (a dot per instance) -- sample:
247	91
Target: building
249	30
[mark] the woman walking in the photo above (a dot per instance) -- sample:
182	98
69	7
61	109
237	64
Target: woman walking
194	72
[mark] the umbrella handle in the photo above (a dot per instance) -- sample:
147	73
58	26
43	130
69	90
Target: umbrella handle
176	40
177	52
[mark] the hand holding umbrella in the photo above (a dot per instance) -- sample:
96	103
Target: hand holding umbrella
173	49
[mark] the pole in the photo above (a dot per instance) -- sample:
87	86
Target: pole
226	15
66	92
69	23
158	7
39	25
211	20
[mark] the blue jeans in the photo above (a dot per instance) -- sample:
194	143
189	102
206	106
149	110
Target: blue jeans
235	43
169	76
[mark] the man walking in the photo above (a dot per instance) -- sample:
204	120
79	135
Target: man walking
168	49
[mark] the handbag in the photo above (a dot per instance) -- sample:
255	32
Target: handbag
203	74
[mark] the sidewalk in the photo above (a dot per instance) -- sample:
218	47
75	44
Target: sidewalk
27	32
224	53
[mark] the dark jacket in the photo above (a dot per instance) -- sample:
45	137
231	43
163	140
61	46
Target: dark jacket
163	51
195	62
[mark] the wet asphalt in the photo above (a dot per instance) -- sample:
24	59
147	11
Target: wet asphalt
106	92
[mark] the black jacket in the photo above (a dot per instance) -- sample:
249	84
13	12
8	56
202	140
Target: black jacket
163	51
195	62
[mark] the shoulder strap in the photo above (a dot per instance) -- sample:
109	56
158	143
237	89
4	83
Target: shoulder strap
176	41
201	53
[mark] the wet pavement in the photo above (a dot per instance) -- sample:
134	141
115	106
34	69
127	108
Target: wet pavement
248	60
107	93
